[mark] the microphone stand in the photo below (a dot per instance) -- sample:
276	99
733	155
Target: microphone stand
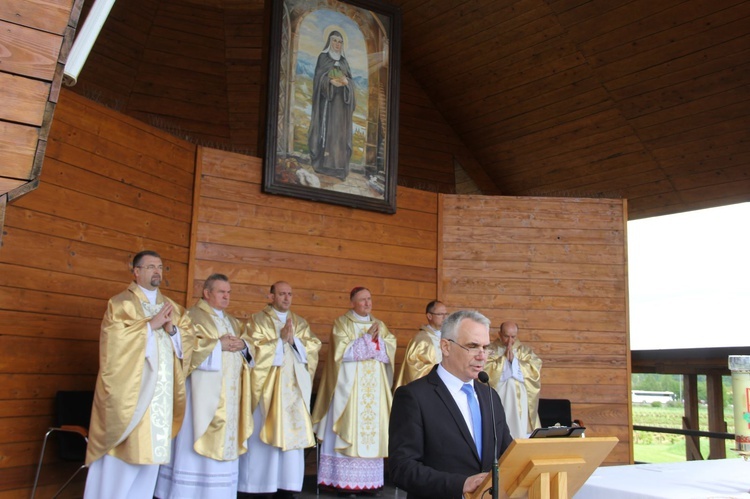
484	378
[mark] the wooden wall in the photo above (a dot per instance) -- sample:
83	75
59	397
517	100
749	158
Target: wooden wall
557	267
34	40
245	31
110	187
323	251
198	71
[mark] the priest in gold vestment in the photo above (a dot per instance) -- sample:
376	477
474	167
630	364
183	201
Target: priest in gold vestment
218	419
423	351
515	371
353	405
139	400
286	356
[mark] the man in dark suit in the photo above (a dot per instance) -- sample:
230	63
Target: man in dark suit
434	422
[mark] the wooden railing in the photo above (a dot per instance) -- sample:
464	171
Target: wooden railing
711	362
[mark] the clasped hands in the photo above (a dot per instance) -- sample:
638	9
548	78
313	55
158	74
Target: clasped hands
374	331
231	343
163	319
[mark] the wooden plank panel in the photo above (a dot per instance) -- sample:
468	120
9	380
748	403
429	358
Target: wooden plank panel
512	29
547	74
516	270
16	386
62	282
103	213
309	224
563	235
319	246
558	268
514	251
16	478
45	15
509	302
220	188
673	43
27	407
590	160
43	324
114	238
29	52
680	69
17	148
55	357
25	100
285	260
39	302
14	429
58	254
8	185
66	176
86	150
115	127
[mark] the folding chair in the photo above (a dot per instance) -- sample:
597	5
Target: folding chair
72	418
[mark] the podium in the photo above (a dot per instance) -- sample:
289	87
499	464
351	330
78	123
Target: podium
547	468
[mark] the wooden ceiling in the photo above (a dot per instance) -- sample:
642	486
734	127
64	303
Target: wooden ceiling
642	99
639	99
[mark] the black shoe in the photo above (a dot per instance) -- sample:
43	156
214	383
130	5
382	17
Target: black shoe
285	494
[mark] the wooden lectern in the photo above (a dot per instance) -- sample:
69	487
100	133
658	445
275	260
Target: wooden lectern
547	468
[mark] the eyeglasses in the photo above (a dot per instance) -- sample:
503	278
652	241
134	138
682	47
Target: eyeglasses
150	267
441	315
474	350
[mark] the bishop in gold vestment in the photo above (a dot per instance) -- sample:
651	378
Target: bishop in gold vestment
423	351
286	356
139	401
218	418
515	371
351	410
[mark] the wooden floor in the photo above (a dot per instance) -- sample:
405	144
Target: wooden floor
309	491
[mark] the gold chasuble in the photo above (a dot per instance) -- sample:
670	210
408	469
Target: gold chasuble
221	415
283	392
531	368
422	353
139	401
362	402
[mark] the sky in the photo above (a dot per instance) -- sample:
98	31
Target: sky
689	279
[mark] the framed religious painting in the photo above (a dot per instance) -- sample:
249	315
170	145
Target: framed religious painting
332	133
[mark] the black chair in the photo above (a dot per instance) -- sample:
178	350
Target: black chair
72	419
556	411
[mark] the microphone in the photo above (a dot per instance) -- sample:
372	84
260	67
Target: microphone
485	378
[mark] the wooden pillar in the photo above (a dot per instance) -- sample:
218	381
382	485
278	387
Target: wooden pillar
690	420
715	395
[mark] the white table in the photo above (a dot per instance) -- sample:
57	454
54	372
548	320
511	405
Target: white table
714	479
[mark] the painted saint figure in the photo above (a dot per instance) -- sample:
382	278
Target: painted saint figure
333	102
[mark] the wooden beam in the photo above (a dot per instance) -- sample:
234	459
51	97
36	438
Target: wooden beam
3	204
685	360
690	420
715	395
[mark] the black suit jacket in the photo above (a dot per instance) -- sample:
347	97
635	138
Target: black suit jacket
430	449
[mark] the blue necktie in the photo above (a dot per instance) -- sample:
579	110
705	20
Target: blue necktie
476	416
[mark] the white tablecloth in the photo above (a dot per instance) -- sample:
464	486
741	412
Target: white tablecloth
714	479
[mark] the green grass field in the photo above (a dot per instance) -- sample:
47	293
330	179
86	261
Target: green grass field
651	447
